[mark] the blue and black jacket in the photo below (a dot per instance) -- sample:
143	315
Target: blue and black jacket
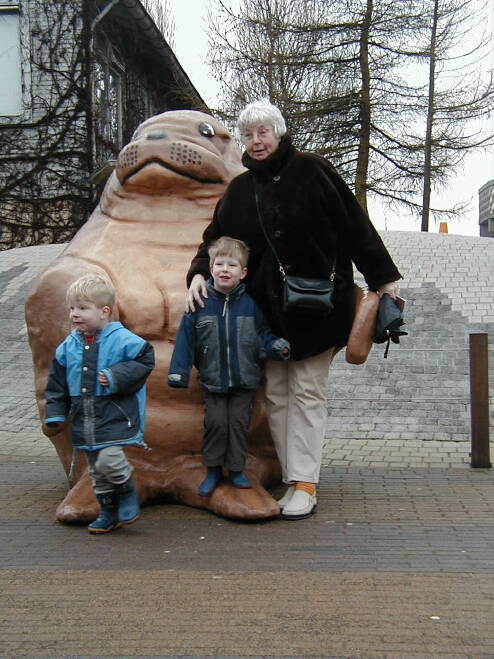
101	416
227	342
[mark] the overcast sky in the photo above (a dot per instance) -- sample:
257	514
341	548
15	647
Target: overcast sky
191	48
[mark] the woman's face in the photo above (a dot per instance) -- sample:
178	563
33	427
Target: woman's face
260	141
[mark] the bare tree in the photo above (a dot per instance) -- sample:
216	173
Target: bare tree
348	77
161	13
459	91
341	60
268	49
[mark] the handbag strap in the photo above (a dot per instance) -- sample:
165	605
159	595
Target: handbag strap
259	215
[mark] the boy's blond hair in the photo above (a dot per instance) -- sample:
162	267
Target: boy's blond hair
226	246
92	288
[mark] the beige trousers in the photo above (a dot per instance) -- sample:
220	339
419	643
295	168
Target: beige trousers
296	410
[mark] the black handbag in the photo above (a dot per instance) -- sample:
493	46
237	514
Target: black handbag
302	295
309	296
388	323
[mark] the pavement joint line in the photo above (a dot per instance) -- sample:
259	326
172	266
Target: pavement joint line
336	453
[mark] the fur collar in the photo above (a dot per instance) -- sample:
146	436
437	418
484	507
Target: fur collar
274	162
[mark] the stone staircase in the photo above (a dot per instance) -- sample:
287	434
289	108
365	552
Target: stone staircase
421	391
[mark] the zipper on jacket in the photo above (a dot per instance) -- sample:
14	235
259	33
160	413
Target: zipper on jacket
226	314
129	424
89	420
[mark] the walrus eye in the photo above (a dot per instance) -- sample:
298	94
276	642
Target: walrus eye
206	129
156	135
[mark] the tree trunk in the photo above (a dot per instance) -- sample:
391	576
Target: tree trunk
365	111
426	195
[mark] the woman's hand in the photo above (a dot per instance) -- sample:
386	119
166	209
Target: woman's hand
391	288
197	290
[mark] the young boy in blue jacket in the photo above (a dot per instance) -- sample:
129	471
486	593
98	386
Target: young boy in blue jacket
227	340
98	375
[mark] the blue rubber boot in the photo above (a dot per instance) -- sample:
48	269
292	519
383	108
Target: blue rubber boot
239	479
107	519
128	508
209	484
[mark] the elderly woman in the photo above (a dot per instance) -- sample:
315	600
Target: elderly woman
306	218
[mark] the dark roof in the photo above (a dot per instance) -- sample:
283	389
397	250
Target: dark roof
131	19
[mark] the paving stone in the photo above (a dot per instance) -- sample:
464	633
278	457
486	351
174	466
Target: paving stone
396	563
393	543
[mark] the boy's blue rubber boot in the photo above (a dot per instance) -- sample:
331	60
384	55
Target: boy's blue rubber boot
128	507
209	484
239	479
107	519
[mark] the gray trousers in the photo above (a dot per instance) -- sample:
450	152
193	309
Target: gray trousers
226	428
108	467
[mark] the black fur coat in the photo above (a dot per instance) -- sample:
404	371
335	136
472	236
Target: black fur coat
312	218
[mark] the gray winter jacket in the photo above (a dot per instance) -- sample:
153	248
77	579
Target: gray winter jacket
227	342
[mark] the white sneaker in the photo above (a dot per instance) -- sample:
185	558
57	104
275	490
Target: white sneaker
287	496
301	505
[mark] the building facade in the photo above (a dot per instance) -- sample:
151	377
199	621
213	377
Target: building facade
486	209
80	76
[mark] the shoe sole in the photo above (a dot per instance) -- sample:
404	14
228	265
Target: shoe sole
128	521
301	516
107	530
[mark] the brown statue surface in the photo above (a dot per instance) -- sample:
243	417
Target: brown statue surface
143	235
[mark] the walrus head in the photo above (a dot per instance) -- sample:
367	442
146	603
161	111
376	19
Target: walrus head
184	144
179	155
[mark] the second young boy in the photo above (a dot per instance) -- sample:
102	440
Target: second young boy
227	340
98	376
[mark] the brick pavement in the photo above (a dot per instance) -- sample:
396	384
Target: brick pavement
397	563
391	453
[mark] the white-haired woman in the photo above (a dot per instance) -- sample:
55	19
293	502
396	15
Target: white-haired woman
306	218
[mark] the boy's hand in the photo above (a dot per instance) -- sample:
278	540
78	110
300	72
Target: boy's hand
281	349
285	353
103	380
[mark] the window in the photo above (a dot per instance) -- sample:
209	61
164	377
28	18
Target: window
108	81
10	60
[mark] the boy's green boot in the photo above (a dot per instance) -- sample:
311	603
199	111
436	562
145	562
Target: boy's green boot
107	519
128	508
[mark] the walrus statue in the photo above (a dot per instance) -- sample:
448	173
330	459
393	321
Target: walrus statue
143	235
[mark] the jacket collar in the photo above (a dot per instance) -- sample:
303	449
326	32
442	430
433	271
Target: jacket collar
233	295
274	162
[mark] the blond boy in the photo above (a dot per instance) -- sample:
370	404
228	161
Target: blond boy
98	375
228	341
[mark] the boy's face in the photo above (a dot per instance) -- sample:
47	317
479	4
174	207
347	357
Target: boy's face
87	317
227	273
